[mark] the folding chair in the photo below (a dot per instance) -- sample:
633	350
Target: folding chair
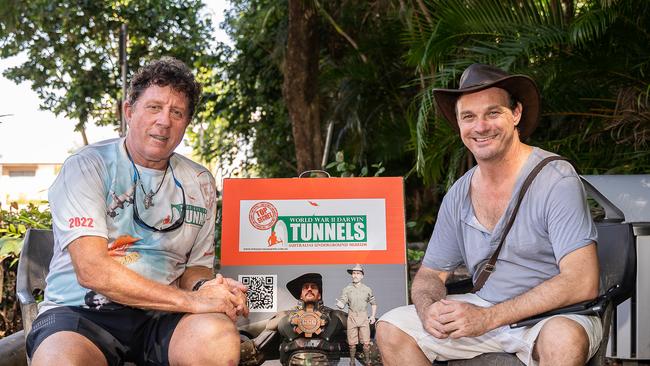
33	267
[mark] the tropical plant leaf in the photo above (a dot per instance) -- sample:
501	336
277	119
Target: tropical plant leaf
10	247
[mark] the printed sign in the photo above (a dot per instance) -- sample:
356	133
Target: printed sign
275	230
287	221
330	224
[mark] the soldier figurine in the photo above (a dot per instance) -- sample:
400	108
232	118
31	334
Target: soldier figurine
357	296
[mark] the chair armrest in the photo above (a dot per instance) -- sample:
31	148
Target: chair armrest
595	307
25	297
264	338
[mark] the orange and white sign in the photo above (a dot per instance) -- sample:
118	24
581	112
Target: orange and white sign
337	220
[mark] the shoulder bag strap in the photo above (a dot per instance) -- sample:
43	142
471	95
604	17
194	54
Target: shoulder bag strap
490	266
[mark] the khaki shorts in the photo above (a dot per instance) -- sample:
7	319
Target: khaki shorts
358	328
519	341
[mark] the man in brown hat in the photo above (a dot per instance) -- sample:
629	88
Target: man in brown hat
357	296
548	261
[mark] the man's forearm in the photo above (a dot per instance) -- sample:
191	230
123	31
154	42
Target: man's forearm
428	287
546	296
126	287
577	282
98	271
194	274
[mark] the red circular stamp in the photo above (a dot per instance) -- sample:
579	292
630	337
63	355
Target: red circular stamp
263	215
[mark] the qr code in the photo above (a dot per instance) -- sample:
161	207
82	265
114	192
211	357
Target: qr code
262	292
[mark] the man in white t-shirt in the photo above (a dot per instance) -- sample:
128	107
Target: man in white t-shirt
131	278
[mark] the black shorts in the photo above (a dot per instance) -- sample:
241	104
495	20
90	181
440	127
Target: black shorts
123	335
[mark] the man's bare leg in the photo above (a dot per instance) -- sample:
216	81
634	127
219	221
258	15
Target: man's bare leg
68	348
561	342
398	348
204	339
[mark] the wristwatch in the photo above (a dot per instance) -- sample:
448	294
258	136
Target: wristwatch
199	283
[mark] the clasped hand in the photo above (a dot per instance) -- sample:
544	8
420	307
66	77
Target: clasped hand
222	295
455	319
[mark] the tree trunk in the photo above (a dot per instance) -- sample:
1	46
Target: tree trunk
82	131
300	87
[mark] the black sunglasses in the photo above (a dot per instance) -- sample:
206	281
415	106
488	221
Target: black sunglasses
136	217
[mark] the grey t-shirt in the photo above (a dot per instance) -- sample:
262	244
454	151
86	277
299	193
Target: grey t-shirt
553	220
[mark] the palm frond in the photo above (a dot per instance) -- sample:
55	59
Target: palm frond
591	25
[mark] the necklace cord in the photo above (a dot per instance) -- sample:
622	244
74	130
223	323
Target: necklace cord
136	216
148	197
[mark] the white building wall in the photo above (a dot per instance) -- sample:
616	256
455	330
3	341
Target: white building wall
26	189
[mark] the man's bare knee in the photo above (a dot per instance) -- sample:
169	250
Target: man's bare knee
68	348
387	337
562	341
397	347
204	339
386	334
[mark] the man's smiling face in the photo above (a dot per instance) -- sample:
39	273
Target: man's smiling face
157	122
487	125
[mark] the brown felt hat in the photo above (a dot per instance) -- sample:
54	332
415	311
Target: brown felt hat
295	286
478	77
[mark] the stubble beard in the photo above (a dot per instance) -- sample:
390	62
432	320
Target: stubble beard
494	153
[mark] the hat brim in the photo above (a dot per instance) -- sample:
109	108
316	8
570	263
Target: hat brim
352	270
295	286
521	87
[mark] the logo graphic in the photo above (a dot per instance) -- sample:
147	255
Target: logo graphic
326	229
118	247
118	250
194	215
119	201
263	215
208	191
273	239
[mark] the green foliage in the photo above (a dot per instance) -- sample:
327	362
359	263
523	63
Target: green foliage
379	62
72	48
365	90
247	126
11	244
593	77
344	169
362	88
414	255
14	224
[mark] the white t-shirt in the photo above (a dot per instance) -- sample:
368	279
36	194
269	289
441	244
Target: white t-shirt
93	195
